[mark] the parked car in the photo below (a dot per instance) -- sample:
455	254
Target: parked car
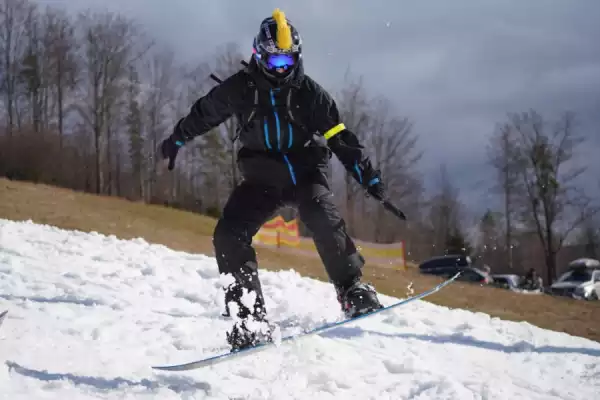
582	281
579	263
449	265
506	281
476	275
453	262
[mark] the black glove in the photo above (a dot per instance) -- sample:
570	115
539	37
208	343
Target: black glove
170	147
375	188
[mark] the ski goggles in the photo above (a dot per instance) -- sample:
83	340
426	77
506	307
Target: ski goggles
278	60
275	61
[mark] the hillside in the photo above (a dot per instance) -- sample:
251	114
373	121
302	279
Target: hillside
189	232
89	314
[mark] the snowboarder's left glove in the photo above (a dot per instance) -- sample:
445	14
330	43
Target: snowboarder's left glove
170	147
375	188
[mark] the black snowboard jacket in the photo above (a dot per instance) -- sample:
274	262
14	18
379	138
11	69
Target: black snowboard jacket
287	133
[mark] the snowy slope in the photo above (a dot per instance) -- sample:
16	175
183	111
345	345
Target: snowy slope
89	314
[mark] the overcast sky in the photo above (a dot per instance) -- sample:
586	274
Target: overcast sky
454	67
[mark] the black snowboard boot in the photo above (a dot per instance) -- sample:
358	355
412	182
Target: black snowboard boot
249	333
358	299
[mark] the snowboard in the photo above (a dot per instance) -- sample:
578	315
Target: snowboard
213	360
2	315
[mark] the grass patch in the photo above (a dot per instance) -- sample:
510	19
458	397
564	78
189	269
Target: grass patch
190	232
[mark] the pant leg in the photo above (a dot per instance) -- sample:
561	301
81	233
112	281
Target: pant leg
336	248
248	207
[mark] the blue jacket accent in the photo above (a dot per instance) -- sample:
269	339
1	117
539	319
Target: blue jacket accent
289	164
358	173
276	120
266	130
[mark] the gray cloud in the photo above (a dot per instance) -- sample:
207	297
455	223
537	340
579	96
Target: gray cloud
456	68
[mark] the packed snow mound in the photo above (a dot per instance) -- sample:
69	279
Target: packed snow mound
89	314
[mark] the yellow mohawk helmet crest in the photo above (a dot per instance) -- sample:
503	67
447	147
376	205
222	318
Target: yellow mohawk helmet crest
284	33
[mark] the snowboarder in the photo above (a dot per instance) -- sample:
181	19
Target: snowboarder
289	127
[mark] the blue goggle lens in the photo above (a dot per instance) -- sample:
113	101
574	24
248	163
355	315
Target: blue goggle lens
280	61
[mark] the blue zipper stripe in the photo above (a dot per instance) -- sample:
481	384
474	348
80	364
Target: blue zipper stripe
287	161
266	130
291	136
289	164
276	120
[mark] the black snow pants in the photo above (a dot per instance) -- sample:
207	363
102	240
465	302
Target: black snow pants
250	206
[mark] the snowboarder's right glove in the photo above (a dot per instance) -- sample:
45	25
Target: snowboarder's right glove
170	147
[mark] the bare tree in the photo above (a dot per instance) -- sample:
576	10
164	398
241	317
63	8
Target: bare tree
157	97
353	104
503	157
63	69
445	214
490	244
392	146
13	17
134	128
111	43
552	201
32	78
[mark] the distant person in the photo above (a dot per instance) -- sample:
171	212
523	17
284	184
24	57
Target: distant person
532	281
289	128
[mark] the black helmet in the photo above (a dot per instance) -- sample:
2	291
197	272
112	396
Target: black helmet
278	47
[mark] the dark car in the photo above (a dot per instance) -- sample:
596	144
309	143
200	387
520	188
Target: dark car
449	265
443	264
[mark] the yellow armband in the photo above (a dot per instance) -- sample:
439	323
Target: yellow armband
334	131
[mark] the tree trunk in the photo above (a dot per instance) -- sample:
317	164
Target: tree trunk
551	255
508	219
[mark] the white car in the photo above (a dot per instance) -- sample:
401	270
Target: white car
584	263
580	283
